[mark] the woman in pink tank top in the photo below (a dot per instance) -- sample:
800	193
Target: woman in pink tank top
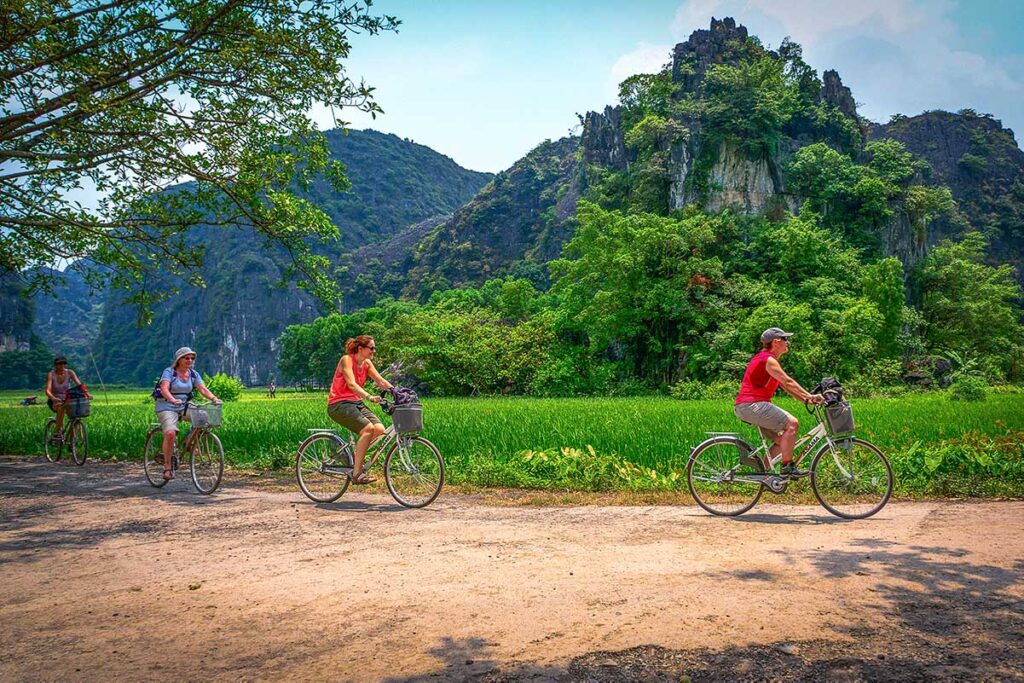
345	400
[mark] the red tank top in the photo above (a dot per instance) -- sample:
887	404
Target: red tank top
757	384
339	387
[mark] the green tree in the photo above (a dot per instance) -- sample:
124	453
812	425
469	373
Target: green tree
134	96
642	281
970	307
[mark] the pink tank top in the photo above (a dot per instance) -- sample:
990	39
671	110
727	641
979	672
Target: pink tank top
339	387
757	384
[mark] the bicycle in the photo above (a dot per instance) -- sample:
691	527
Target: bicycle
202	447
75	435
850	476
413	467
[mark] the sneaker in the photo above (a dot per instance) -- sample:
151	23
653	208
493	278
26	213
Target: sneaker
790	470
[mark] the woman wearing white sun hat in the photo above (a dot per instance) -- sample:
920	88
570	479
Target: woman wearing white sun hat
176	385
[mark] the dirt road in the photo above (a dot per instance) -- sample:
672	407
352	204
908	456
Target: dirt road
105	578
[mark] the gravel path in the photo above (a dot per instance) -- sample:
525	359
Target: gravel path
105	578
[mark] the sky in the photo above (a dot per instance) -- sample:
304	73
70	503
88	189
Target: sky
485	81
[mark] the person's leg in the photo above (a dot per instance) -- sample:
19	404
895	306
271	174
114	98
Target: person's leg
169	427
787	440
59	407
366	435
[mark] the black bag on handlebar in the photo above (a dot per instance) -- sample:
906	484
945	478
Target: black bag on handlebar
838	412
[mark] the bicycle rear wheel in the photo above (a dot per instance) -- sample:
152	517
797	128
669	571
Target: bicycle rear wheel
851	479
78	441
153	458
316	464
207	458
51	450
414	471
719	482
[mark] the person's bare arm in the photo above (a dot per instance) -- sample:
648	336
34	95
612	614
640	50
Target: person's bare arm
375	376
788	384
47	387
207	393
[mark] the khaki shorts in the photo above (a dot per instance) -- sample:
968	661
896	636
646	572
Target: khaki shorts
169	420
351	415
769	419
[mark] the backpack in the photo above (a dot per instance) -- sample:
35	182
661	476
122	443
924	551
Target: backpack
192	375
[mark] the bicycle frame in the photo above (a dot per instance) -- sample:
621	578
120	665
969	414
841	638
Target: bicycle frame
373	452
812	438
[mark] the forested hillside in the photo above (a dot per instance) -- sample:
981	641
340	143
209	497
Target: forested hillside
733	191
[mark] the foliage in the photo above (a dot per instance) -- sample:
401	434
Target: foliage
967	388
26	369
748	103
132	97
225	387
970	307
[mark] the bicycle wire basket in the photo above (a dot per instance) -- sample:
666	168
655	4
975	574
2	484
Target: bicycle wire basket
207	416
839	416
78	407
408	417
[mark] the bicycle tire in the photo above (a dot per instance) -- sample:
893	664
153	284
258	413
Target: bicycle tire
50	450
206	461
713	458
153	458
873	472
414	468
78	441
313	454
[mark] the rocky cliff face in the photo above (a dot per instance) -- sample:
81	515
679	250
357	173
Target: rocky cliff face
15	316
983	167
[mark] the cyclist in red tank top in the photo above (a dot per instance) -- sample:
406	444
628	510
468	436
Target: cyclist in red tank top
754	405
345	402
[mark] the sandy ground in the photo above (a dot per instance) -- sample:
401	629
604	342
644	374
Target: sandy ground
104	578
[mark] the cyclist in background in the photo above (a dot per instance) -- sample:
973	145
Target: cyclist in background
176	386
754	405
345	402
58	383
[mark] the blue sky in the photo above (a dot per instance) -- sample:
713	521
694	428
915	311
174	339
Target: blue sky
484	82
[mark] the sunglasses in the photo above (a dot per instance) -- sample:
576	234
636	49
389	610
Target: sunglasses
372	348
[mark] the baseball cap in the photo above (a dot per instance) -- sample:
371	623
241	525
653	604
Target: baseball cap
773	333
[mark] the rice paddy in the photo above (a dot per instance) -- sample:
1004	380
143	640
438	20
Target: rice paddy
484	440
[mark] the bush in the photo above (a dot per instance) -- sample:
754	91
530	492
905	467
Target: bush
693	390
968	388
224	387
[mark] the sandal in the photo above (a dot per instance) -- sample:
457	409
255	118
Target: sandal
363	478
168	474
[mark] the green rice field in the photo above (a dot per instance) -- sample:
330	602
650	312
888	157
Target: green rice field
937	446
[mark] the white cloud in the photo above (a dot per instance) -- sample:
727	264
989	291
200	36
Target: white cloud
645	58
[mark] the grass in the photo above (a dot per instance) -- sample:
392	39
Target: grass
577	444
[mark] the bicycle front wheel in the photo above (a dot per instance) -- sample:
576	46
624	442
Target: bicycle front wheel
50	449
78	439
317	468
153	458
719	482
851	478
414	471
207	462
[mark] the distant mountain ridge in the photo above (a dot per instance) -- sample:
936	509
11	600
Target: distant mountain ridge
233	322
